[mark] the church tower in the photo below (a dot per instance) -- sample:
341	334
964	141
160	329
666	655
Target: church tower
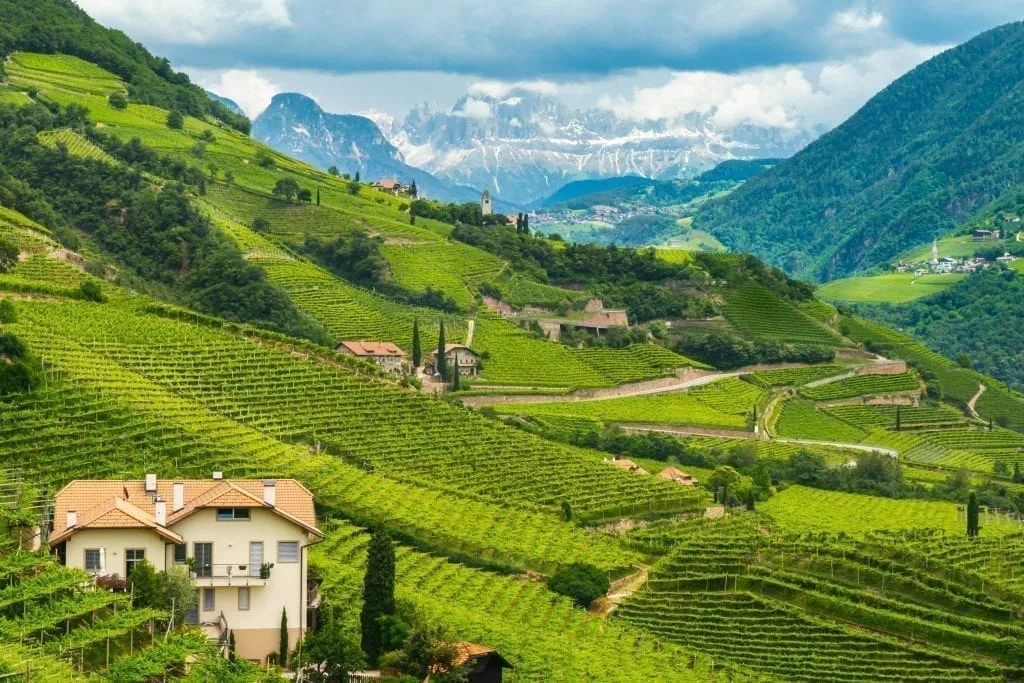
485	203
935	252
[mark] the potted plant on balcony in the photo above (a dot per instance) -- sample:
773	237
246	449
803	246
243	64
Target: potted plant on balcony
190	562
265	570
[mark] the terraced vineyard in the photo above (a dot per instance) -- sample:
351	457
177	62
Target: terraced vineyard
863	385
638	362
802	420
518	358
52	618
544	636
705	407
759	313
870	417
373	424
76	145
795	377
806	510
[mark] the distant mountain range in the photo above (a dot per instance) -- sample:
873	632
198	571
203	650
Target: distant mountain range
525	145
296	125
926	154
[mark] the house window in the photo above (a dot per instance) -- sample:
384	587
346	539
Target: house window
180	553
255	557
287	552
209	603
232	514
132	557
203	553
243	599
93	560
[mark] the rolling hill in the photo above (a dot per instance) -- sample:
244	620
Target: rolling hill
167	306
926	154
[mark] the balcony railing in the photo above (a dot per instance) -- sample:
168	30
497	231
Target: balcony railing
229	575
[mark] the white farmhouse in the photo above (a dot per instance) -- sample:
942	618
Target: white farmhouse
244	542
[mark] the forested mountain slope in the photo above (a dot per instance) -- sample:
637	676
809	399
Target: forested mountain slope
918	159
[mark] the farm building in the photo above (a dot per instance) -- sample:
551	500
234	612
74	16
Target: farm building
484	664
457	355
390	185
678	476
627	464
386	355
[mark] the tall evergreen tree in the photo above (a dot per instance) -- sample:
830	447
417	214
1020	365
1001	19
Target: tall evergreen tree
972	515
318	196
456	379
282	655
898	423
442	359
378	592
357	176
526	224
413	191
417	352
519	222
1016	473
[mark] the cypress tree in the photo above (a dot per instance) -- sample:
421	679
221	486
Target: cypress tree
318	196
751	499
442	360
567	510
357	176
1016	473
972	515
413	191
897	418
283	645
378	592
231	646
417	352
526	224
456	378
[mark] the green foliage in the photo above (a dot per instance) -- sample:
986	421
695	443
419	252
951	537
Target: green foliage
148	587
378	592
919	158
91	291
175	120
428	653
417	350
583	583
356	257
975	321
972	515
20	371
286	188
441	354
118	101
725	350
8	256
7	313
59	26
863	385
282	644
331	651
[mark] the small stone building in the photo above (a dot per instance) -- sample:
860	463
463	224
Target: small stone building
456	355
386	355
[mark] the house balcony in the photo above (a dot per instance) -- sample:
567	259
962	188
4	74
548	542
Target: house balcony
214	575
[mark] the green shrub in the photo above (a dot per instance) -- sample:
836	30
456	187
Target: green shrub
118	101
175	120
90	291
582	582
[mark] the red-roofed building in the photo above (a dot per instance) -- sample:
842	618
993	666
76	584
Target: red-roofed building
386	355
242	541
457	356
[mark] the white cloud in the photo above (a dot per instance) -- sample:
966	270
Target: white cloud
799	96
249	89
473	108
857	20
188	21
498	89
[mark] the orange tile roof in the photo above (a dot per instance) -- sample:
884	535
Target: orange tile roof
470	651
374	349
95	500
677	475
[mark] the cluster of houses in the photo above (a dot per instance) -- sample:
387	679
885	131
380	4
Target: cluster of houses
392	186
394	361
948	264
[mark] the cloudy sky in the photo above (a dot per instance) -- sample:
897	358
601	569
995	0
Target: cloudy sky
789	63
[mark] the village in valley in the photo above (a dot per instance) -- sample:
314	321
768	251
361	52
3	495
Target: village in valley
963	264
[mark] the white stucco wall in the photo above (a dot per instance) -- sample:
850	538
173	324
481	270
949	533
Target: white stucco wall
114	542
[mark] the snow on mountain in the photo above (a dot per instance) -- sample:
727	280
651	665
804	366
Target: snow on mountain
525	145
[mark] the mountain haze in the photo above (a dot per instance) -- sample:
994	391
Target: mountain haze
918	159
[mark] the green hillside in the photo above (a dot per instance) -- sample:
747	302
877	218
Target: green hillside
921	157
170	304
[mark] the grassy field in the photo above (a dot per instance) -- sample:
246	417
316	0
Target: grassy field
692	240
952	247
893	288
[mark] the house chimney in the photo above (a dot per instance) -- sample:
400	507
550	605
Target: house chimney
269	492
72	519
150	483
160	511
177	495
217	475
